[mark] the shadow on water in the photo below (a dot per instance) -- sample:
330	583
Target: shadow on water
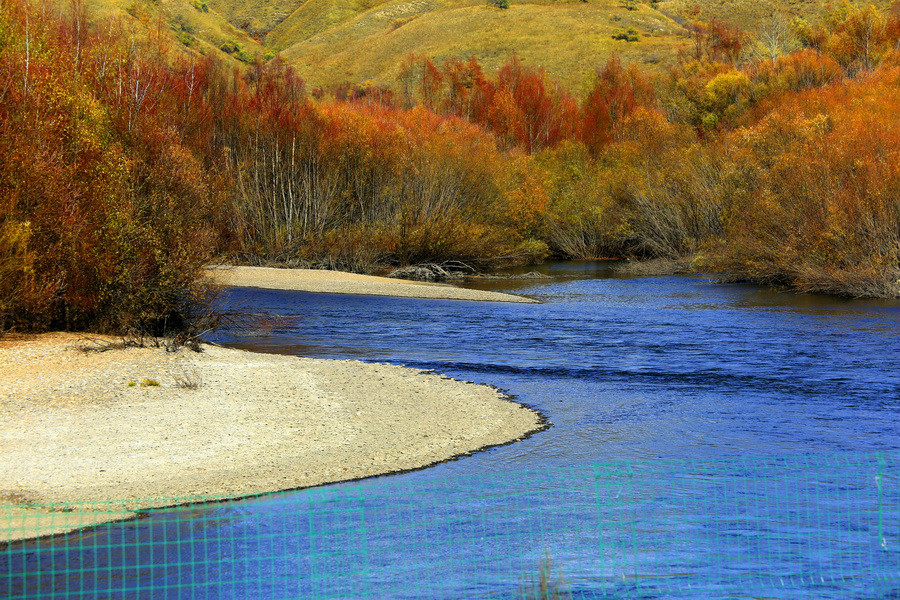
709	441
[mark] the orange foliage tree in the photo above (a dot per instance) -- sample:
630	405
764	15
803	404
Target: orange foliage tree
107	212
821	210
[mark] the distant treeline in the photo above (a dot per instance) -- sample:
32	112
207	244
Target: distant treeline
126	165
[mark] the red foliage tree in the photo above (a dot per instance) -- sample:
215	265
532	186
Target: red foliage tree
616	94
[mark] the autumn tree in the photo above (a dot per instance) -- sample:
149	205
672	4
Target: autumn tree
775	37
616	94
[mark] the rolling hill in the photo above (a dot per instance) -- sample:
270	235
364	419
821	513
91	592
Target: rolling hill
336	41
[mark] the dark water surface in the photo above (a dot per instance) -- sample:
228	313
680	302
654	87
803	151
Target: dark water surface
708	441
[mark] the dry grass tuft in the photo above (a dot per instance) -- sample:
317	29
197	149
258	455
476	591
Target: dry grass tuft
188	378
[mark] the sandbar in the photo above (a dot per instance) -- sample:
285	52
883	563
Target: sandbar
84	442
337	282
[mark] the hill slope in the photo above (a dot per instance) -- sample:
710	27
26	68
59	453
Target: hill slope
197	26
332	41
569	39
337	41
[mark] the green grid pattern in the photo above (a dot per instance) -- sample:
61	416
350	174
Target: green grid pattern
797	527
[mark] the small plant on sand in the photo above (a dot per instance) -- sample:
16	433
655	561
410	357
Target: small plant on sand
132	384
149	383
188	379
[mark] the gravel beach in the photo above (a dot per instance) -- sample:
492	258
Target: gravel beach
337	282
91	427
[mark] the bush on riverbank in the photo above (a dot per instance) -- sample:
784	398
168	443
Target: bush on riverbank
107	212
779	170
356	186
820	207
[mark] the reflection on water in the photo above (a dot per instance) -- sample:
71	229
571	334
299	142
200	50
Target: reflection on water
631	371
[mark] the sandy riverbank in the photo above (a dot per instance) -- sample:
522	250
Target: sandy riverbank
72	429
336	282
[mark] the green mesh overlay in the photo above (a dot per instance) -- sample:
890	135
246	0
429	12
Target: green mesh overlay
800	527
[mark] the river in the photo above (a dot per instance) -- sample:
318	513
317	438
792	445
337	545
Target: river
708	441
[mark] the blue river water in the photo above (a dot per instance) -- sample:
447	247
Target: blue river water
707	441
634	368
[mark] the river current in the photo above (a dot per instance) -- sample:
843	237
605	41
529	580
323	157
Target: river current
642	368
765	423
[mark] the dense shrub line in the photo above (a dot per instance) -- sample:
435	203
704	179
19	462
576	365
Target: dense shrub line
771	158
126	166
107	210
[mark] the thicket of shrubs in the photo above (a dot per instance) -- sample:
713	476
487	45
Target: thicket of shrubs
127	165
771	160
108	211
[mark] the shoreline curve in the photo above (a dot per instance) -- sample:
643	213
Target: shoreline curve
83	447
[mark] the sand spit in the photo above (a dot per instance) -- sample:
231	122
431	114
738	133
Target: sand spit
336	282
73	428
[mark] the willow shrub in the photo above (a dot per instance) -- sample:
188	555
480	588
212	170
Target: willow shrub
106	213
356	186
820	209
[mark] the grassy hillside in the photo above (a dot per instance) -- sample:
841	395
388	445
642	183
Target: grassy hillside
750	14
568	39
332	41
256	17
312	17
193	23
337	41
